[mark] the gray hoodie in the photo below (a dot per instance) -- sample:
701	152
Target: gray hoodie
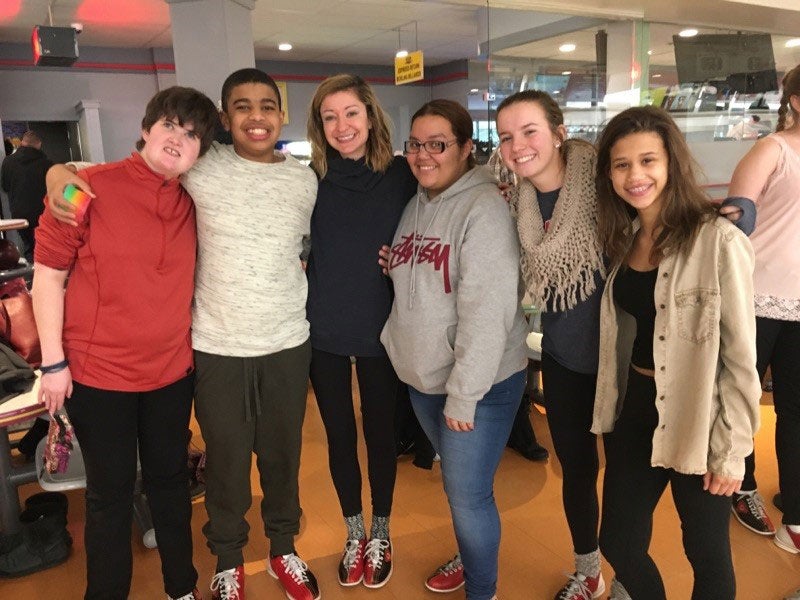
456	326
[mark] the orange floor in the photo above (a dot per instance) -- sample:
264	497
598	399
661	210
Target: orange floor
535	553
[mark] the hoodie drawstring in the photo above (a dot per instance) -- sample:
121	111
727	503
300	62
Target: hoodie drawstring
415	248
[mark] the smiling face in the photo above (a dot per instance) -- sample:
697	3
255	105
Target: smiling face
253	117
640	172
529	146
169	148
437	172
346	124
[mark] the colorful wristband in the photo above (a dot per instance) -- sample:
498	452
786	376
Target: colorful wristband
54	368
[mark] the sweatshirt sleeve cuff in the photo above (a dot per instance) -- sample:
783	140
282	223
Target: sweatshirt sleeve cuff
460	410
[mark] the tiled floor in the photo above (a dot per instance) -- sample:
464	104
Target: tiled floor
535	554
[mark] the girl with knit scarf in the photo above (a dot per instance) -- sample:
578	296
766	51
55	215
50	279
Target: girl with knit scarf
563	270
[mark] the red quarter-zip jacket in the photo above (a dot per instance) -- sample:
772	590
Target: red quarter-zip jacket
127	314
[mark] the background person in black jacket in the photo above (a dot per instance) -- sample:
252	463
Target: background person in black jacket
23	179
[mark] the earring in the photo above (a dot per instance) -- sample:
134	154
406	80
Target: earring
558	144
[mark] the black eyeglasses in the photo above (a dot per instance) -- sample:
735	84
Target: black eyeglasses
431	146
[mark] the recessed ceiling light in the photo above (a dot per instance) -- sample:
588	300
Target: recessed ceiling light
566	72
688	33
284	47
792	43
474	91
556	91
567	47
649	53
655	75
401	53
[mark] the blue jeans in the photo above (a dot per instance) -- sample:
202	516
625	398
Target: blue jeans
469	463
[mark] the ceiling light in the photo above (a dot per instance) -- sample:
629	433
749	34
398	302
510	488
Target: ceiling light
655	75
792	43
401	54
566	72
284	47
649	53
688	33
567	47
474	91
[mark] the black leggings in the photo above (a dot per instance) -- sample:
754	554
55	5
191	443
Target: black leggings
631	491
570	401
331	376
778	346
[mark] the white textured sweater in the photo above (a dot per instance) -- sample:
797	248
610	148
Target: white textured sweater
250	290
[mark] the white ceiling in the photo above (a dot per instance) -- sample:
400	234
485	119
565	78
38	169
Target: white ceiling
366	31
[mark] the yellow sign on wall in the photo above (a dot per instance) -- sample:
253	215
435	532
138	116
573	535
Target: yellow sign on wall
409	68
284	100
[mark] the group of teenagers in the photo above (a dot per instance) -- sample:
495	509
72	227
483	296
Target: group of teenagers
185	281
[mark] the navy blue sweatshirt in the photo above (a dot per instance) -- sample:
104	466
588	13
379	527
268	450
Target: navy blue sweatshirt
357	211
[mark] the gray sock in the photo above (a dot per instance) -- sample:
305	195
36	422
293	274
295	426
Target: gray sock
618	591
355	527
588	564
380	528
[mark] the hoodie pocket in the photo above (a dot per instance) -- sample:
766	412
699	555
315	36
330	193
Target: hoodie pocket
697	314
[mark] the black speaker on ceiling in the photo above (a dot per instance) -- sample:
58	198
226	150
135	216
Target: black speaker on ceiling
54	46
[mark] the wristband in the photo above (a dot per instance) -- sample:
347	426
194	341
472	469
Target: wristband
54	368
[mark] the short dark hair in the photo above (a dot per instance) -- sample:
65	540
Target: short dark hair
454	113
186	105
249	75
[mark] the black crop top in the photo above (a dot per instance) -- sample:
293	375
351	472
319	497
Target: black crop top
633	293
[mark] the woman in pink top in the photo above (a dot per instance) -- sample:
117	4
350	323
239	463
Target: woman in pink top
769	174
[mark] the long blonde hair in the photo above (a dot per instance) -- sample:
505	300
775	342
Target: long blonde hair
379	142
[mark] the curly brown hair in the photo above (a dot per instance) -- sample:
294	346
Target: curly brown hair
685	205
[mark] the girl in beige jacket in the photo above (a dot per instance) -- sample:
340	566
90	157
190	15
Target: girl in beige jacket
677	391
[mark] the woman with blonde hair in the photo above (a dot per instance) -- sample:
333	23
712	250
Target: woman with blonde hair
363	190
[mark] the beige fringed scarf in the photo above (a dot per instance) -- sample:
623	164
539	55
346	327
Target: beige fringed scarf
558	267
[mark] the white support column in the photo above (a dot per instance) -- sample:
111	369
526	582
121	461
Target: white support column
211	39
88	112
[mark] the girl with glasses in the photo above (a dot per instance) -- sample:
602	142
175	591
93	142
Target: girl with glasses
456	331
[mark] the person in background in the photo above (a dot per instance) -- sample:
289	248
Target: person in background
769	174
23	178
677	388
456	333
363	190
127	387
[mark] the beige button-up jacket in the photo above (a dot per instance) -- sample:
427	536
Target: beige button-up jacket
707	388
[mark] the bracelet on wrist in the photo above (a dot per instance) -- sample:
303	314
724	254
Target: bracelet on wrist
54	368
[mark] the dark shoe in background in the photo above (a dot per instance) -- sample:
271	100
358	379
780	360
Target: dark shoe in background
749	510
28	443
522	437
44	541
197	468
